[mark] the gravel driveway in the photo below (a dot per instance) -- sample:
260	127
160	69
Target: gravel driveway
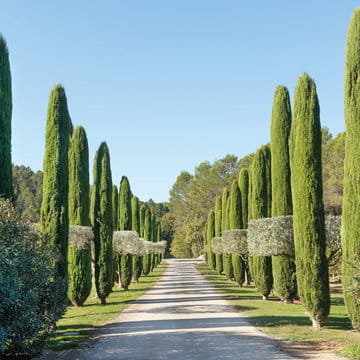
181	317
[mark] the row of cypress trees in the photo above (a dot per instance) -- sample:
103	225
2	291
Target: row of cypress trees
66	201
285	180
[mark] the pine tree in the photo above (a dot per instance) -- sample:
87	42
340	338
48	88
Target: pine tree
54	221
218	219
351	200
147	236
210	234
125	223
283	268
259	197
236	223
103	223
135	218
308	209
6	186
79	260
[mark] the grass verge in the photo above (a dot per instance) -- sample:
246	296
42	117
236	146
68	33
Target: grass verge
289	321
82	322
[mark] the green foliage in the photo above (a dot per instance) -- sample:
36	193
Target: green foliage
54	208
210	233
244	191
224	199
333	154
6	186
218	220
125	223
306	184
283	269
135	218
79	260
261	269
31	301
228	267
236	223
125	195
115	206
192	197
351	215
147	236
103	222
27	192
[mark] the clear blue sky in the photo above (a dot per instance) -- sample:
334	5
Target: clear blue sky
168	84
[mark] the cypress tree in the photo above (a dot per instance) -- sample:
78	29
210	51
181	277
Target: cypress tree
158	238
307	193
228	267
244	192
125	223
153	239
210	234
103	223
218	220
225	196
351	200
135	218
6	185
79	260
115	205
260	177
147	236
142	220
236	223
115	214
54	221
205	243
283	268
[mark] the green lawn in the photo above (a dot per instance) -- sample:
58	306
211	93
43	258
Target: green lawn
85	320
288	321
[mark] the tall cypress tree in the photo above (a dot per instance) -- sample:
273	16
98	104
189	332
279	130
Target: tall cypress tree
158	238
205	243
225	196
6	185
307	198
153	239
236	223
218	219
79	259
125	223
147	237
260	177
135	219
54	221
283	269
210	234
228	267
351	200
103	223
115	205
244	192
142	220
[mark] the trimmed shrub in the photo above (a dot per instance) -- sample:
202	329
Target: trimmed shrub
31	300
